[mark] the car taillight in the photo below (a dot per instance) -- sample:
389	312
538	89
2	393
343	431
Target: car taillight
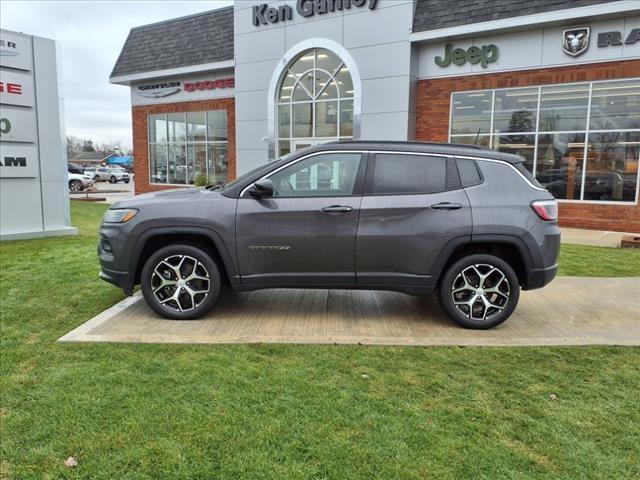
546	209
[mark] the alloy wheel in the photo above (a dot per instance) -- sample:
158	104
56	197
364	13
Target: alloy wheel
180	283
481	291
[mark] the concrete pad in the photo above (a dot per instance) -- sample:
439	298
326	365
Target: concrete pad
570	311
597	238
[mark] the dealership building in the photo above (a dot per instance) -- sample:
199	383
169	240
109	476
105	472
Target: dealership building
556	81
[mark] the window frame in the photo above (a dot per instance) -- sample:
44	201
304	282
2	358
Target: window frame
357	187
449	164
187	143
537	133
313	101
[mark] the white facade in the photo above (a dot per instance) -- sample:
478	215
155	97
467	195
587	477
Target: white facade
34	197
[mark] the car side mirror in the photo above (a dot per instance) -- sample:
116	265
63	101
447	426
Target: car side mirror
262	188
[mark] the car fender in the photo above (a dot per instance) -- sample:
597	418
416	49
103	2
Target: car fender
145	235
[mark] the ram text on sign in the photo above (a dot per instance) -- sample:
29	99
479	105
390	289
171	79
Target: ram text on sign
18	160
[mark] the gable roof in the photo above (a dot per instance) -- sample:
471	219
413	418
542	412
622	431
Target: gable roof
436	14
205	37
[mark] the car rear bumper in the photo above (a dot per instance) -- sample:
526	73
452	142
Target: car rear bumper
539	277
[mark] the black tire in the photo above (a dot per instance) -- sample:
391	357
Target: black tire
113	179
164	261
96	178
75	186
126	181
503	301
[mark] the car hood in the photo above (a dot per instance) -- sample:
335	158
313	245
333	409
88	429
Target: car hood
165	196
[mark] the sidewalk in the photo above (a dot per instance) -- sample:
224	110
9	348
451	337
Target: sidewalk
596	238
567	313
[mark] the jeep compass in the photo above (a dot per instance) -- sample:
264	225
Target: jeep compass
469	223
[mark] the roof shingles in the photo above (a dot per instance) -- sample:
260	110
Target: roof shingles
194	40
436	14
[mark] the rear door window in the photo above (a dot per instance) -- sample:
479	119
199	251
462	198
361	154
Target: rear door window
401	174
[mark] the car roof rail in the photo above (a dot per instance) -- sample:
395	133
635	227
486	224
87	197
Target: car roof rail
411	142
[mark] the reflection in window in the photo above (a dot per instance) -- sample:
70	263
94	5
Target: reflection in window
515	110
576	152
523	145
564	108
315	100
612	166
183	146
559	163
331	174
615	105
471	113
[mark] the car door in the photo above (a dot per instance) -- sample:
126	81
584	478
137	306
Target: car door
305	232
412	206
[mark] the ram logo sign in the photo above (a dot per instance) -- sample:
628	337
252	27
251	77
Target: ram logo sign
575	41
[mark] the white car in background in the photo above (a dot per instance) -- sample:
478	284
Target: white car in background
113	175
79	182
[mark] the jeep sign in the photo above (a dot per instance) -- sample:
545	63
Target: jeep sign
483	55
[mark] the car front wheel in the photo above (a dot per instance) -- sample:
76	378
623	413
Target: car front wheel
113	179
75	186
479	291
181	282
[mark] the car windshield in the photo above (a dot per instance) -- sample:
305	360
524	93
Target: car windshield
266	167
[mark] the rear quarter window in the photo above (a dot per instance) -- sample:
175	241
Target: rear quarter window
469	172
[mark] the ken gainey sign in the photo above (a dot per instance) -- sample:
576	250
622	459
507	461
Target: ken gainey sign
263	14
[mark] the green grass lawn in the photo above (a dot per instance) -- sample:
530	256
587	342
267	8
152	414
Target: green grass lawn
129	411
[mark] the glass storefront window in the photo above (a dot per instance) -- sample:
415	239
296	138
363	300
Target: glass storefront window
315	101
471	112
523	145
484	140
612	166
183	146
615	105
563	108
515	110
559	163
580	140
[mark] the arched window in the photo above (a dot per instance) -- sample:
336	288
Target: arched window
315	101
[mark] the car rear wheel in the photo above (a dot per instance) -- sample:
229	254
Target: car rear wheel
75	185
181	282
113	179
479	291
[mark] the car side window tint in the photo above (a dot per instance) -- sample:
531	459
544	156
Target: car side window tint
395	173
469	174
324	175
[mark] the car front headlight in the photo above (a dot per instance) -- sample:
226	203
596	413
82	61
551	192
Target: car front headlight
119	215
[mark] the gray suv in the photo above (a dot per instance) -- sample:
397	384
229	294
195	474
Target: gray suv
465	221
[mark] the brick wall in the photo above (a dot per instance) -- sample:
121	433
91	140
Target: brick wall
433	105
140	145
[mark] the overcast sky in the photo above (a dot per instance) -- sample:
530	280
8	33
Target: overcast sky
91	35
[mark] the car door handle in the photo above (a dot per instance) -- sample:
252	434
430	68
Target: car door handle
336	209
446	206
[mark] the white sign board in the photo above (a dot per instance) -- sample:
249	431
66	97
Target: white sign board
34	190
16	88
15	51
18	160
17	124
